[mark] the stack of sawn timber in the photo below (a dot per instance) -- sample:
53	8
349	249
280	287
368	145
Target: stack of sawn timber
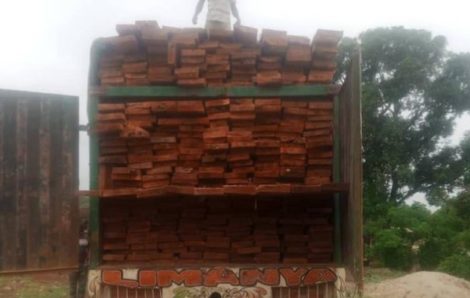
145	54
270	231
214	146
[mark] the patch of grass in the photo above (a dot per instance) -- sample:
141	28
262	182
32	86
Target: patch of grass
33	289
376	275
25	287
43	292
6	288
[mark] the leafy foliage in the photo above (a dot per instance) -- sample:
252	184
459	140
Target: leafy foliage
411	236
413	90
444	226
392	250
458	265
462	207
394	237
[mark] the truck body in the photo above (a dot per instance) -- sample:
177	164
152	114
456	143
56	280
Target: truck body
215	239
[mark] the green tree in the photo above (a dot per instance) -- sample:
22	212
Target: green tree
456	260
413	90
462	206
458	265
404	227
392	249
444	226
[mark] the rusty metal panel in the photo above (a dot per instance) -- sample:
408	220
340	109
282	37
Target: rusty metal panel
117	292
350	126
38	181
321	290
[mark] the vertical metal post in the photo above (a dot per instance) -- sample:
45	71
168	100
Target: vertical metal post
94	212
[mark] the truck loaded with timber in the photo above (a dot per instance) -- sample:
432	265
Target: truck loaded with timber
223	165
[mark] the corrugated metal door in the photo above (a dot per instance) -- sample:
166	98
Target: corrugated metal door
38	181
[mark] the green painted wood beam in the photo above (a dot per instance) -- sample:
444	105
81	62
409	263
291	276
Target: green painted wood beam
94	209
283	91
319	90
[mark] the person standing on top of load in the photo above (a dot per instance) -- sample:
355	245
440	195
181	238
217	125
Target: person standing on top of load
219	13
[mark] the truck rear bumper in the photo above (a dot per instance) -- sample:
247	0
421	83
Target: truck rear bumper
262	282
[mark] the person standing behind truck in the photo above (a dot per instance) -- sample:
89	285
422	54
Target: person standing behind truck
219	13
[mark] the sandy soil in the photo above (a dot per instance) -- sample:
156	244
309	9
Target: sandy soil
420	285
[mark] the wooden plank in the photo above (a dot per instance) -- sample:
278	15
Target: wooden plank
22	206
32	174
69	206
356	168
32	271
350	125
44	177
8	204
56	172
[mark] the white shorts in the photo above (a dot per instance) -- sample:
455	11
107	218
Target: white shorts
217	25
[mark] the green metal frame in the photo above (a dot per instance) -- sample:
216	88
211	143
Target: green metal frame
315	91
94	212
94	208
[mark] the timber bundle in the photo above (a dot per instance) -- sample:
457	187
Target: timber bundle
236	147
145	54
236	231
221	146
215	146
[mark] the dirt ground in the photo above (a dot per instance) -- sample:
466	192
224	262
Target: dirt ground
416	285
382	283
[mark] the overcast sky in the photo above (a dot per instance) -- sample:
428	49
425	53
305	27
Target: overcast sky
45	43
